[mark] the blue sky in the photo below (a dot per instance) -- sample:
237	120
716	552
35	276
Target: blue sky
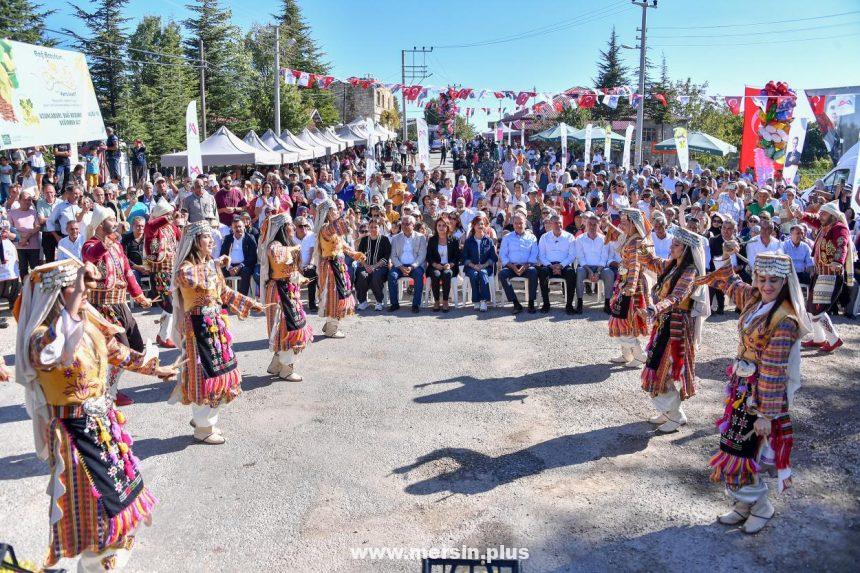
728	43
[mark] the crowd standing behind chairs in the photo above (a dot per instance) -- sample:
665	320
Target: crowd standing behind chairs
510	218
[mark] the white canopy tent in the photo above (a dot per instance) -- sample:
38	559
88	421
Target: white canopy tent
224	148
252	139
329	134
274	141
315	139
346	132
317	150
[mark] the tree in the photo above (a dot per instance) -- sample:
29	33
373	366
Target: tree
305	55
230	76
654	108
463	129
24	21
106	52
611	73
390	118
576	117
813	147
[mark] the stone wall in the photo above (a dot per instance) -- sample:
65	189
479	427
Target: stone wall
354	102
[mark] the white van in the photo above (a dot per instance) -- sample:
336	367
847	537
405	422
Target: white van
843	172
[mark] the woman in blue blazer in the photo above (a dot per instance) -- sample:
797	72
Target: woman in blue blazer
479	260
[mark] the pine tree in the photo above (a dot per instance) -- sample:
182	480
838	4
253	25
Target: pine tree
661	114
230	78
24	21
305	55
611	73
106	52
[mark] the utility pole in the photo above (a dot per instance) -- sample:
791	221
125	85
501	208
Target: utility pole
640	110
417	73
278	80
202	89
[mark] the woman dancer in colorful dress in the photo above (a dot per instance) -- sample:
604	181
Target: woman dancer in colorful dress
289	332
208	372
755	430
630	293
335	286
64	348
680	308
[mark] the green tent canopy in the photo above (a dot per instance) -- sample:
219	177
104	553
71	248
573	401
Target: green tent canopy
699	142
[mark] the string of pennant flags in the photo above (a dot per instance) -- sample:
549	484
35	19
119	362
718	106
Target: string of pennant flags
585	98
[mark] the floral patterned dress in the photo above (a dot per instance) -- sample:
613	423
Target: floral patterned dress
629	293
286	322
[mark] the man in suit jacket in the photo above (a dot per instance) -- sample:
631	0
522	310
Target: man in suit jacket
408	256
242	250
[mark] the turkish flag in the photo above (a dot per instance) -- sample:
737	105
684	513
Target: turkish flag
734	104
353	81
750	138
662	99
587	101
817	104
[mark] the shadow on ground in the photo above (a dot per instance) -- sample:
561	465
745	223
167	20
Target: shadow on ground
479	473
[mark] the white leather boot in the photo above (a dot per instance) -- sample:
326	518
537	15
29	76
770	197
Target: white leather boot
740	512
287	367
274	365
639	357
626	354
760	514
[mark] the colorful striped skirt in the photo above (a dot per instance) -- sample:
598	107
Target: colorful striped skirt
336	300
211	375
286	322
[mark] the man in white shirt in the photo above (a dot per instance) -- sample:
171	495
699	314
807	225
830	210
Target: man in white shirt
764	243
307	241
509	168
67	210
556	255
73	242
729	204
408	255
592	255
466	213
669	181
661	239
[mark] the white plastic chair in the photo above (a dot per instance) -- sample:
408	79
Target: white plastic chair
525	281
562	282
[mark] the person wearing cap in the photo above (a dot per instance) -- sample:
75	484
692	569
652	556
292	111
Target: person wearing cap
396	190
677	315
756	429
161	238
104	250
833	256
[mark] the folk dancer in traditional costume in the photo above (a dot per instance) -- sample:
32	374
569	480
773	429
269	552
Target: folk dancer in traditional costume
286	323
208	372
63	351
104	249
161	238
755	429
670	370
630	292
335	286
833	255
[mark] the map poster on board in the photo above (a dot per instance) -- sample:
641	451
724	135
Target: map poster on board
46	97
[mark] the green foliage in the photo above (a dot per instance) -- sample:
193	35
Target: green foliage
813	147
611	72
390	118
24	21
816	169
660	114
105	50
431	116
229	73
577	117
463	129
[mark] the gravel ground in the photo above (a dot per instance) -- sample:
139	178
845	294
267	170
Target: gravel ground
445	430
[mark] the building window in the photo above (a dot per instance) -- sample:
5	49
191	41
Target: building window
649	133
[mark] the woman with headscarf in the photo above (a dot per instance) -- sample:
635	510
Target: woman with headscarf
335	286
63	350
630	292
676	318
755	429
280	274
208	371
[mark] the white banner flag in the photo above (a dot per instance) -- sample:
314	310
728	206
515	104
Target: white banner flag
192	141
682	149
796	139
563	131
423	141
370	152
587	144
607	143
842	104
628	137
46	97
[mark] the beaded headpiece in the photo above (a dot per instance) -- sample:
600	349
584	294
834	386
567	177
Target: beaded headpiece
638	220
197	228
773	265
685	237
58	274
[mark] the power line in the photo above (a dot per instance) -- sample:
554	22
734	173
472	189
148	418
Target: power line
747	25
112	44
768	42
583	18
809	28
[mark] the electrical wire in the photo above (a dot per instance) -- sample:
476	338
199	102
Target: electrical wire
807	29
747	25
768	42
112	44
584	18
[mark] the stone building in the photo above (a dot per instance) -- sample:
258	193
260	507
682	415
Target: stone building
355	102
